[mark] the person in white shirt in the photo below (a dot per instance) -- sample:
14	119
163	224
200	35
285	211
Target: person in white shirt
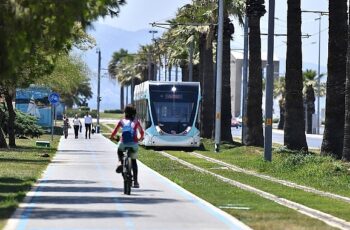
88	123
76	125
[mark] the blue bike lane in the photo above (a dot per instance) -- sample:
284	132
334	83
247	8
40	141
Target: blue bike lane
80	190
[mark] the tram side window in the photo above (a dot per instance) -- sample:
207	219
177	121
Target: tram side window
143	113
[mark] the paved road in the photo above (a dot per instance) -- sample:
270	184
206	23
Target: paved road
79	190
313	140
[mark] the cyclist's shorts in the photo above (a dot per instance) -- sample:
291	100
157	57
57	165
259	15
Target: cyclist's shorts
135	148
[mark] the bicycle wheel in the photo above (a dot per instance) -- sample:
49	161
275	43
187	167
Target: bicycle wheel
127	174
128	177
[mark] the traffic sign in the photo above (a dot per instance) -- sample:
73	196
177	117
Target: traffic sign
54	98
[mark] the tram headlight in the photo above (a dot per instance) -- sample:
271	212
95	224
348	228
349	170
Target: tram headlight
159	130
187	130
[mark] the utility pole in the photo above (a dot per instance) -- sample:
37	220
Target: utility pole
245	80
319	74
98	91
219	77
269	83
149	57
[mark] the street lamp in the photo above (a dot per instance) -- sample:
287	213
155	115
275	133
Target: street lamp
269	83
153	32
319	19
98	51
149	56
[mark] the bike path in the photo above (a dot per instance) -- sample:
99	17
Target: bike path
80	190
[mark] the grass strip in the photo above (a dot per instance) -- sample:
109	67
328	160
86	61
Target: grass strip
320	172
111	115
20	168
334	207
250	208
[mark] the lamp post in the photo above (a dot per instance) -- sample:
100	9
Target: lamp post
219	77
318	73
98	51
269	83
149	56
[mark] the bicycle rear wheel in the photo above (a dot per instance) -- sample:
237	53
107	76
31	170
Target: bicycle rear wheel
127	176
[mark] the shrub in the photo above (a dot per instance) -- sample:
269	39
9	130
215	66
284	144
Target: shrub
26	125
81	113
113	111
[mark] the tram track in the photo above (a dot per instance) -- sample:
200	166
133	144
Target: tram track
272	179
313	213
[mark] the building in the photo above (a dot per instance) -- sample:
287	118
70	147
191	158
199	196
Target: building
237	79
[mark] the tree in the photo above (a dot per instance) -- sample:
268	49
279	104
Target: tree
333	136
346	146
70	78
19	22
310	82
254	137
117	57
294	127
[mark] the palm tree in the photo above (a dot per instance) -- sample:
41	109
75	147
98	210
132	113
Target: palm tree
294	127
255	10
346	146
310	82
335	101
117	57
201	37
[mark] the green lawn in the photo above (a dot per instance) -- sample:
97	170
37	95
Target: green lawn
323	173
259	213
19	170
111	115
334	207
307	169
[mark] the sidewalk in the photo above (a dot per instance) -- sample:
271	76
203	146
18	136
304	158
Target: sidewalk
80	190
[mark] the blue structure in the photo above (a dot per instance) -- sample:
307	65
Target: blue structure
34	101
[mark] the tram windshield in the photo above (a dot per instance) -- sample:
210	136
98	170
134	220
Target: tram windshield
173	106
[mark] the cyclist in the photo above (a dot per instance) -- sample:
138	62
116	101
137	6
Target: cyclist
129	126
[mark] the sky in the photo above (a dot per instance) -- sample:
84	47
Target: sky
137	15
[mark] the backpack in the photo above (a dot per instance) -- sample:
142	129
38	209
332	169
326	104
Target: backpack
127	132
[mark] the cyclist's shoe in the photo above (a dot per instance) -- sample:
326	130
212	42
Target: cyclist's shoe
136	184
119	169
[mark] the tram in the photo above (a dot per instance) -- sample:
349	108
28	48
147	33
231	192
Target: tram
168	111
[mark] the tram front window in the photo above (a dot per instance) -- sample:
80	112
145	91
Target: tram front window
173	110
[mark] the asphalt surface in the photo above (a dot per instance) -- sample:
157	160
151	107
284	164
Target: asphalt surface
80	190
313	140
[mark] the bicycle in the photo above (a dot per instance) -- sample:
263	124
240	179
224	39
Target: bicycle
126	173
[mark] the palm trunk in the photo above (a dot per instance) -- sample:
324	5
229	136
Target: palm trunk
127	95
153	76
226	82
11	118
346	146
122	105
196	77
294	127
310	106
206	79
169	72
281	121
254	136
335	101
184	71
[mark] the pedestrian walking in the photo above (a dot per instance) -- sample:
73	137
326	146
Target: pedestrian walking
65	126
88	123
76	125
